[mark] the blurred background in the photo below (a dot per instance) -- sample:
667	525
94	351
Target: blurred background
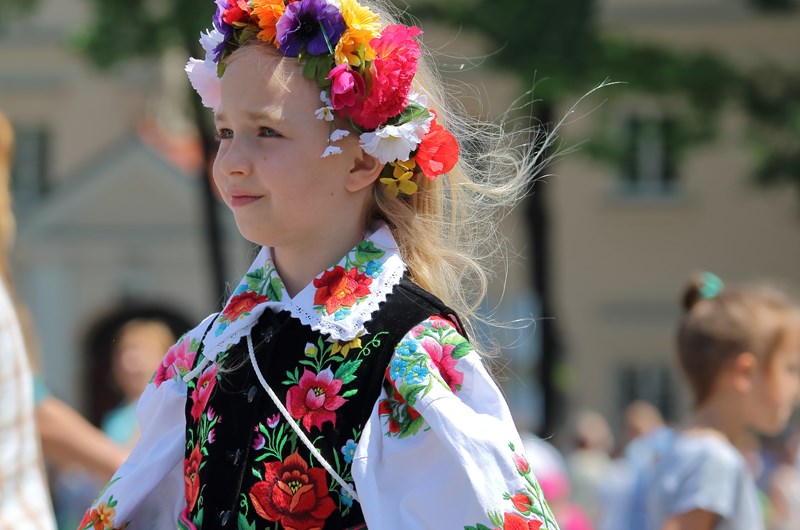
691	163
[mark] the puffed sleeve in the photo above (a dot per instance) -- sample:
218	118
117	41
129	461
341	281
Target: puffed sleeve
440	449
147	491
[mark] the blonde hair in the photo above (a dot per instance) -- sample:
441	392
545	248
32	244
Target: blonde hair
7	223
757	319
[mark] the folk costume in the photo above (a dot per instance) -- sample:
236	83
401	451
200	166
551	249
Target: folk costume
378	376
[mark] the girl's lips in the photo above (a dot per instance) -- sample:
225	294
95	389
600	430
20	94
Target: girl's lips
242	200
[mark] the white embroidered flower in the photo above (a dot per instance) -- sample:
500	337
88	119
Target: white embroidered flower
331	150
210	39
392	142
203	76
338	134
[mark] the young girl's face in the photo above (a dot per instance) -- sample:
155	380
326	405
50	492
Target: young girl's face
269	168
777	390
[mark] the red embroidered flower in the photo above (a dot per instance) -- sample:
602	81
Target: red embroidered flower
293	494
438	151
515	522
395	408
442	357
315	398
177	362
191	482
396	56
101	518
241	304
339	288
522	502
201	393
522	464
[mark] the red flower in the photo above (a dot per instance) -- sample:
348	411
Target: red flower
442	357
191	482
201	393
337	288
315	398
438	151
522	464
100	518
238	11
515	522
241	304
346	85
395	407
396	56
522	503
293	494
177	361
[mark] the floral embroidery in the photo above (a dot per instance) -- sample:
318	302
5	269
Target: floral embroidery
402	420
100	518
427	357
343	348
202	391
315	398
339	288
532	512
191	468
349	450
293	494
177	362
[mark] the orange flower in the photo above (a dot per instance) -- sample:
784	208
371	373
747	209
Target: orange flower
267	13
101	518
339	288
241	304
438	151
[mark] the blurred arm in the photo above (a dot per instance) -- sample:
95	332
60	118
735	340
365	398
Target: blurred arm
694	520
69	439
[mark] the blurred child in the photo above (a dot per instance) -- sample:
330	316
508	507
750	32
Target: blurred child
740	351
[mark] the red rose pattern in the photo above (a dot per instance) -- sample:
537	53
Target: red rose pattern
242	303
191	467
339	288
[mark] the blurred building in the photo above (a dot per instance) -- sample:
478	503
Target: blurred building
106	193
626	238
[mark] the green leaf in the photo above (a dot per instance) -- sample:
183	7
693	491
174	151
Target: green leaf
244	524
350	393
274	290
366	251
346	371
462	350
198	519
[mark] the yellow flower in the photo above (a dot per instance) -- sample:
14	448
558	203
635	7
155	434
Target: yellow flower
267	12
400	181
362	27
310	350
345	347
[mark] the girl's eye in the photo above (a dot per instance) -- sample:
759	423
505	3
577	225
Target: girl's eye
224	134
267	132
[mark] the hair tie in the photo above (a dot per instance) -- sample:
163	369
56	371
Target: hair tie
712	285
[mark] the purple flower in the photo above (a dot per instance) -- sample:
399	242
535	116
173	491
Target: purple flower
273	421
311	24
211	414
223	27
259	442
211	436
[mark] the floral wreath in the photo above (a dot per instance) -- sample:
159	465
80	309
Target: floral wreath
365	74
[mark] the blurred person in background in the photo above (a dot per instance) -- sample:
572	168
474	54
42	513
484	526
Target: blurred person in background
31	418
24	501
740	351
780	479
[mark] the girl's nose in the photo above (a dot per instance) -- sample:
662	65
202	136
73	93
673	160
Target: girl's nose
233	158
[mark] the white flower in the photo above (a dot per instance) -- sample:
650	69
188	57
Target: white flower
392	142
203	76
338	134
324	113
323	97
420	99
210	39
331	150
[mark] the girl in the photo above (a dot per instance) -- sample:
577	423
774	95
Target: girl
740	351
337	388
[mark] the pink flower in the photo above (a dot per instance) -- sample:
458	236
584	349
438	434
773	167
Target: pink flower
211	436
522	464
201	393
177	362
346	85
259	442
273	420
442	357
396	56
315	398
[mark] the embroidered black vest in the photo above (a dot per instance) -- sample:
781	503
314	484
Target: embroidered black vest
244	467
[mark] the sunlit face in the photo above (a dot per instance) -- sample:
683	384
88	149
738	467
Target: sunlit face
776	391
269	168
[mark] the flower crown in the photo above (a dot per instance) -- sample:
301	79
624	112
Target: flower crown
365	74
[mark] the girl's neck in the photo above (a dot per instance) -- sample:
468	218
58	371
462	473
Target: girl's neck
722	416
300	263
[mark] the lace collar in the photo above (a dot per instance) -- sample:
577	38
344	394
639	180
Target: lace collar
337	303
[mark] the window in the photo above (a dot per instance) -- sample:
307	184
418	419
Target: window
648	158
29	175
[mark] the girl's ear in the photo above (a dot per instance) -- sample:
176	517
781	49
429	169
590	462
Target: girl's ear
744	371
366	169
